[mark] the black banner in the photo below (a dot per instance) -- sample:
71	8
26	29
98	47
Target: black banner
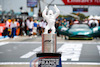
80	9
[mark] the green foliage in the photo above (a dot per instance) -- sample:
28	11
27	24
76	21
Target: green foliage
82	16
65	16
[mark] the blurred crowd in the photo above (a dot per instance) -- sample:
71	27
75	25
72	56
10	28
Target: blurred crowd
16	27
32	27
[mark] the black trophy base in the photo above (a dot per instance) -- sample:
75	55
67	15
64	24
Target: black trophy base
48	54
49	59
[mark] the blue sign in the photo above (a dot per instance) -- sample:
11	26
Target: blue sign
80	9
32	3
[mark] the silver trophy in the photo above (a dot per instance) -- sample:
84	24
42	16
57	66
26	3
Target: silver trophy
49	39
50	58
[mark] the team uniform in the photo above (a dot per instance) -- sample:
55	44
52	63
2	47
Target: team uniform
43	26
13	27
35	28
30	27
5	32
40	27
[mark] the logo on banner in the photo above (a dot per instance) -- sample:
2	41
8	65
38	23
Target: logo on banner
47	41
48	62
81	2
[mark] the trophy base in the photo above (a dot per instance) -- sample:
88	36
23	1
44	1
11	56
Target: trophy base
48	43
48	54
49	59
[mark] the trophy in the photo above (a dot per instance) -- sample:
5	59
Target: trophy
49	57
49	39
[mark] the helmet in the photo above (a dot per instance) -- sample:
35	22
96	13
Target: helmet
50	12
9	20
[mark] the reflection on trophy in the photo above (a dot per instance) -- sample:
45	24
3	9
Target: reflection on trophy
49	43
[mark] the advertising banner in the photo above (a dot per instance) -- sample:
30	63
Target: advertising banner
80	9
32	3
81	2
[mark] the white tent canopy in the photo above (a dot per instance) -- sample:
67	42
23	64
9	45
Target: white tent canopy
94	17
90	17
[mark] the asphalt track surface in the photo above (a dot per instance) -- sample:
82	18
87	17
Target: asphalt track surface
71	51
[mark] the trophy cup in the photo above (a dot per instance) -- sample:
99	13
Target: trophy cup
49	40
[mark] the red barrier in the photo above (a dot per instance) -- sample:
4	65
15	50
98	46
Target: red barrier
2	27
81	2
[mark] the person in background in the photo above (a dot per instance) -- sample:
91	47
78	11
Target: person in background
56	26
30	26
62	23
9	22
43	26
27	30
0	20
23	28
5	31
35	24
76	21
9	29
59	21
85	21
99	21
70	23
67	23
40	27
13	28
18	27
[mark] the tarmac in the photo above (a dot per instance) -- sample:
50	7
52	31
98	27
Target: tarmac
12	51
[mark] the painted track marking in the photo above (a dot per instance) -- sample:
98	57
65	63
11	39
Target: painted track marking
3	43
98	46
70	51
31	53
76	63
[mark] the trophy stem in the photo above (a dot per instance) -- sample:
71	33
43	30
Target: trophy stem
49	57
49	43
